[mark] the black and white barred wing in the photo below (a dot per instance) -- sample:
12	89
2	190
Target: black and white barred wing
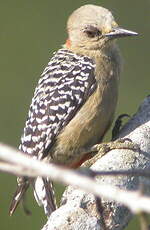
64	86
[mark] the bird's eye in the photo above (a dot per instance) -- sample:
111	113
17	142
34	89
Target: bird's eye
92	31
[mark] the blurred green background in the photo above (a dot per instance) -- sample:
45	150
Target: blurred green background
29	33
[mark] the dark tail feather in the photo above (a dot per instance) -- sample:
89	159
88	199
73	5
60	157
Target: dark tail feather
50	197
44	195
19	194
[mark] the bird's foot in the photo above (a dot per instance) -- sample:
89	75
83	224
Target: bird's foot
118	125
103	148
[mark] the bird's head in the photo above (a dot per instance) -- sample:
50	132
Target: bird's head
93	27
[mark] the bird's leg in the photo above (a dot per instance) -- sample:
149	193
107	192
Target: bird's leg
103	148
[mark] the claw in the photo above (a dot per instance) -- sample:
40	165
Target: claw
118	125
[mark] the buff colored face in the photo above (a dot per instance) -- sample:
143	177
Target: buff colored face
97	29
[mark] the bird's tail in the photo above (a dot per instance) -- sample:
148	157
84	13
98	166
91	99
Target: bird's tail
44	195
23	185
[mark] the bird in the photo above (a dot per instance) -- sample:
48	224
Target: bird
75	99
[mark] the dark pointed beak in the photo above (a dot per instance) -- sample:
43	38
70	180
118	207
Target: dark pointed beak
120	32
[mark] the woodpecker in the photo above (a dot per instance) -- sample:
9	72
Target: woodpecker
75	99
